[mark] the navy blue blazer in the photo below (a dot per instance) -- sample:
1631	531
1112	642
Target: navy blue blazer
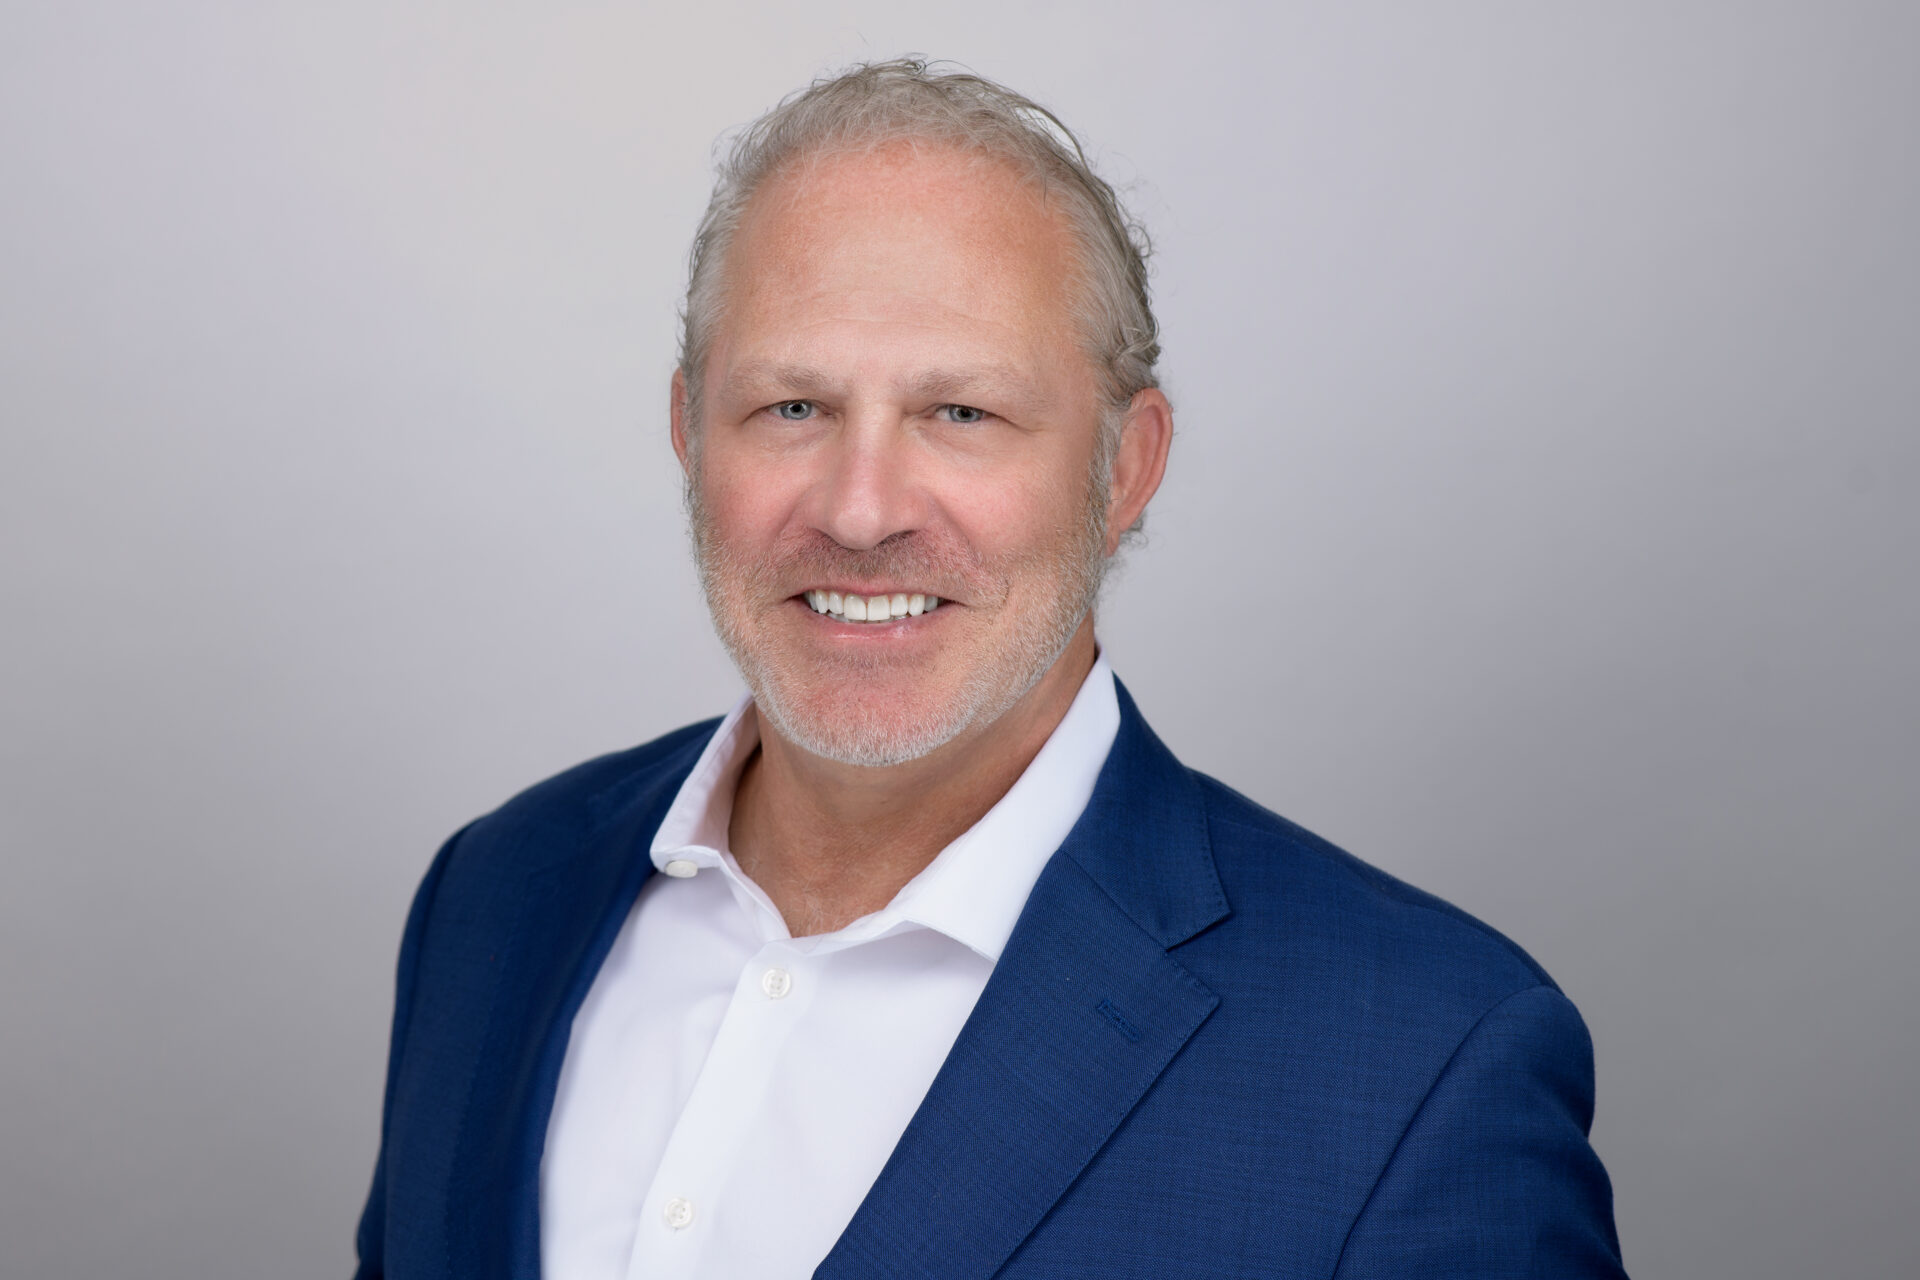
1214	1046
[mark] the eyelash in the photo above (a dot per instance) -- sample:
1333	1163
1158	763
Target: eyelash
778	407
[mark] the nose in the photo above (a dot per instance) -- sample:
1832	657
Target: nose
868	492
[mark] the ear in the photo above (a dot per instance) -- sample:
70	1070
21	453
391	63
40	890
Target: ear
677	414
1145	437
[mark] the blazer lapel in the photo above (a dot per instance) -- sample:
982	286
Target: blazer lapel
1083	1012
566	905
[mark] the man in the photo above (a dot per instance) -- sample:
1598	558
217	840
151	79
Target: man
948	967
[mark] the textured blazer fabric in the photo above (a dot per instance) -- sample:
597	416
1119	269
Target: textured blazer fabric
1214	1046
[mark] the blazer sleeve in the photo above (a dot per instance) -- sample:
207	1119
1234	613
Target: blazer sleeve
370	1240
1494	1176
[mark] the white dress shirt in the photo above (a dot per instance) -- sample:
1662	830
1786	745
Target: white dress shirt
730	1092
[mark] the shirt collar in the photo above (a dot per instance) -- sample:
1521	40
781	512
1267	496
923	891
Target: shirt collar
974	889
695	828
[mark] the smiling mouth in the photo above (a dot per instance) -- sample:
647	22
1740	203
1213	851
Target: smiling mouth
851	608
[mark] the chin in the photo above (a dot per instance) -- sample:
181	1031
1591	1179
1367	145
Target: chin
871	731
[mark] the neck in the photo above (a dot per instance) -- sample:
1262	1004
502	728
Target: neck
832	842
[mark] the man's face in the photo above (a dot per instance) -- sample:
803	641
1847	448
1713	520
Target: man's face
896	404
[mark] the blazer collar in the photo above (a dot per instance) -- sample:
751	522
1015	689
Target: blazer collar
1143	837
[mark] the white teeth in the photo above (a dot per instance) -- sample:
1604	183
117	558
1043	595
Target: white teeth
885	608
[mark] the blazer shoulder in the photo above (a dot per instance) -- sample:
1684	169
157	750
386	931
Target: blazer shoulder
1328	896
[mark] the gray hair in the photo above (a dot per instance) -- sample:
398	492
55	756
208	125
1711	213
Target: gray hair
876	103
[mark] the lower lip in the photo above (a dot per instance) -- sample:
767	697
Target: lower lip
898	628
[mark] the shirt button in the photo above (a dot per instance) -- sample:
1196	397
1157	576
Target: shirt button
681	868
776	983
679	1213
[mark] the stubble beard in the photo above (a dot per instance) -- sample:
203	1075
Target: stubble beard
866	731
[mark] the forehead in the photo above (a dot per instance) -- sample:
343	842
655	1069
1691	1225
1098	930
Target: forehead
896	242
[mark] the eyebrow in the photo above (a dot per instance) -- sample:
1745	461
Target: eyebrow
1003	381
802	378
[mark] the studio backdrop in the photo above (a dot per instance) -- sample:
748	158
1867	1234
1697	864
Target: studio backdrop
1541	527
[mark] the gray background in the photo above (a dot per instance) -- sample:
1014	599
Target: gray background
1541	527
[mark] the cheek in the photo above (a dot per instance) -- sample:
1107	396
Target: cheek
1021	510
744	503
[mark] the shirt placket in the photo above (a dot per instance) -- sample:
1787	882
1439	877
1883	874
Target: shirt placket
686	1205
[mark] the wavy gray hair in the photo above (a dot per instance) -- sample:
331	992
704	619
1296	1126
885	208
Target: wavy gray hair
876	103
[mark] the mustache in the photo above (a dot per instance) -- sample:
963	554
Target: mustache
920	559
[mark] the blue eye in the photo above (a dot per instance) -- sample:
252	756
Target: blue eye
964	414
794	410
